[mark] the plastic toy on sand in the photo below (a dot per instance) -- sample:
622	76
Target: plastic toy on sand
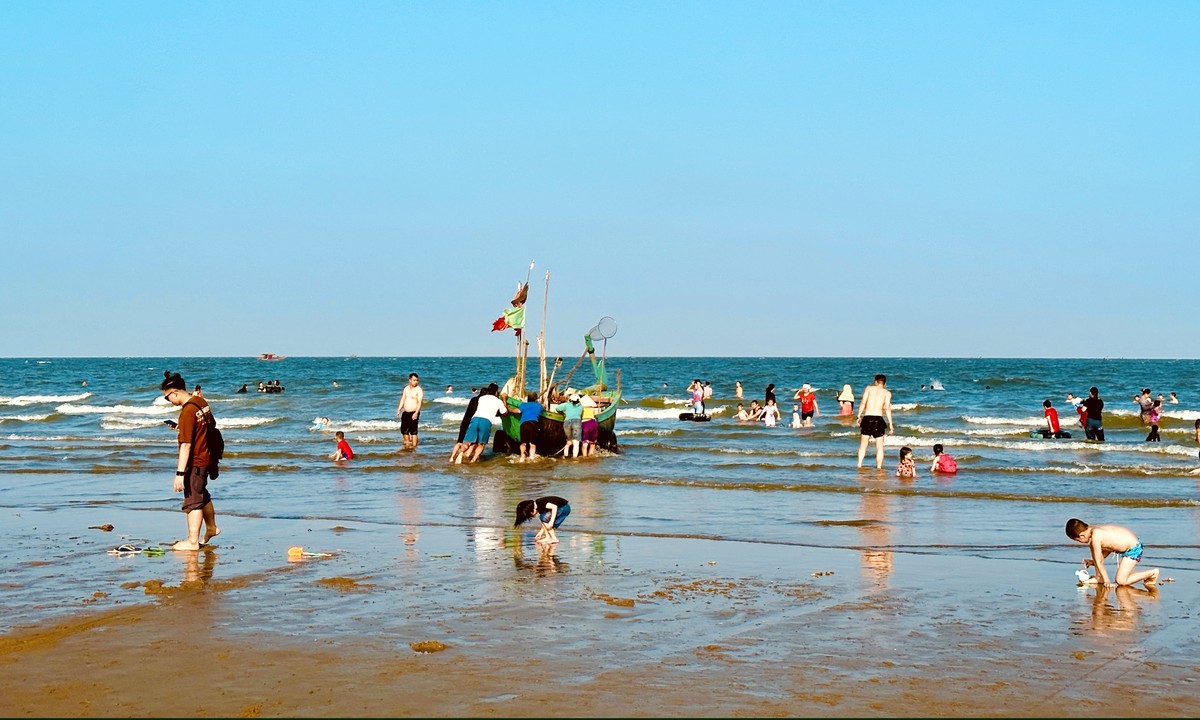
297	553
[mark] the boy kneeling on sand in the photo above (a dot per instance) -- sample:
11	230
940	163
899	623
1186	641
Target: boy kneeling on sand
1105	539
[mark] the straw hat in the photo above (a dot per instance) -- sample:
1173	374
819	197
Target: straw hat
846	395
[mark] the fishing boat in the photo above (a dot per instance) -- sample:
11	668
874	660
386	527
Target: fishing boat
551	437
272	356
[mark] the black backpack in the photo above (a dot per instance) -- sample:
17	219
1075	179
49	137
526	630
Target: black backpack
215	441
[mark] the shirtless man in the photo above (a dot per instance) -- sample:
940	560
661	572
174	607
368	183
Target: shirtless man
875	406
409	410
1105	539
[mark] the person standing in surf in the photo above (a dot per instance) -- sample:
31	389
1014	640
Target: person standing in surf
409	410
1095	425
192	462
875	419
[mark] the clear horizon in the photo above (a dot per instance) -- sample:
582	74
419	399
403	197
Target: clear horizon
770	179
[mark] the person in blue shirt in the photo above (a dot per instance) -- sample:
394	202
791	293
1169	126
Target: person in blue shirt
530	410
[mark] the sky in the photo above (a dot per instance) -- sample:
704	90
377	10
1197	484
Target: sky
952	179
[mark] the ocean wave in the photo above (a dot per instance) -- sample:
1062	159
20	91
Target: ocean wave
90	440
916	406
136	423
641	413
25	418
356	426
451	400
1029	422
649	431
23	400
156	409
1045	445
1000	431
664	401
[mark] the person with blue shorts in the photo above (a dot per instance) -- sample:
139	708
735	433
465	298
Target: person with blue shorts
487	414
551	510
1105	540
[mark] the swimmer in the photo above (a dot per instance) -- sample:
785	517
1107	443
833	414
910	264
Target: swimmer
907	467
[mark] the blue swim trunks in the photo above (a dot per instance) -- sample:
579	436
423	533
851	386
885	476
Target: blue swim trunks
563	512
479	431
1134	553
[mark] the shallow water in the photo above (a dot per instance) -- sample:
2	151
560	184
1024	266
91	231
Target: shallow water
74	456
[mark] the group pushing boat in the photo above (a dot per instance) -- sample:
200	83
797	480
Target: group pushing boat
554	395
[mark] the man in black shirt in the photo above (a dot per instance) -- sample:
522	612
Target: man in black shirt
1095	427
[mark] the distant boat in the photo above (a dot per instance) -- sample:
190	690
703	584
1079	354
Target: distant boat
272	356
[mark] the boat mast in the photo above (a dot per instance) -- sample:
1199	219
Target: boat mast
542	379
522	345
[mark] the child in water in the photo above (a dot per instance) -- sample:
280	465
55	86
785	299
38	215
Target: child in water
770	413
343	451
942	462
551	510
796	422
907	467
1107	539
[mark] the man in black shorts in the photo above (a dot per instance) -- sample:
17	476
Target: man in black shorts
409	410
875	419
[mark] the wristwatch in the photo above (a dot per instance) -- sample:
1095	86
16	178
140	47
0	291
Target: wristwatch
180	473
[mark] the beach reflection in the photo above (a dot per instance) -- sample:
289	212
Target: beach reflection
1117	608
547	562
198	566
877	563
409	500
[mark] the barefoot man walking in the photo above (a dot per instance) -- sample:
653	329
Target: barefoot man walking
193	463
875	419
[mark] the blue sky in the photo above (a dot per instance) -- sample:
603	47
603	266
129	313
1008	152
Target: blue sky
795	179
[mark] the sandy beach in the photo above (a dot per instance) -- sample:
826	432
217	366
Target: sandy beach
605	625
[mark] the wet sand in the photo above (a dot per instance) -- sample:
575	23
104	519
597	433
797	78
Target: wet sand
625	625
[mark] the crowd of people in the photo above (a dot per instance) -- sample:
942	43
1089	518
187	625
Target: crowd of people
200	447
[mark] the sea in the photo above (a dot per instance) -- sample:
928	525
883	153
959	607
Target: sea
82	436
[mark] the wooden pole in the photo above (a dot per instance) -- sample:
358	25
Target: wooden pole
542	379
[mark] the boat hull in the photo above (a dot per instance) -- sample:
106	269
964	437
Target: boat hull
551	438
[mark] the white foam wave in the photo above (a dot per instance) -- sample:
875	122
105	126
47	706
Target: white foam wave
1043	445
362	425
648	431
23	418
450	400
1029	422
23	400
450	417
914	406
639	413
137	423
101	439
975	432
68	409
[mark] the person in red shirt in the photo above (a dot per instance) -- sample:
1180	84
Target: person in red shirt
343	451
808	404
1052	425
